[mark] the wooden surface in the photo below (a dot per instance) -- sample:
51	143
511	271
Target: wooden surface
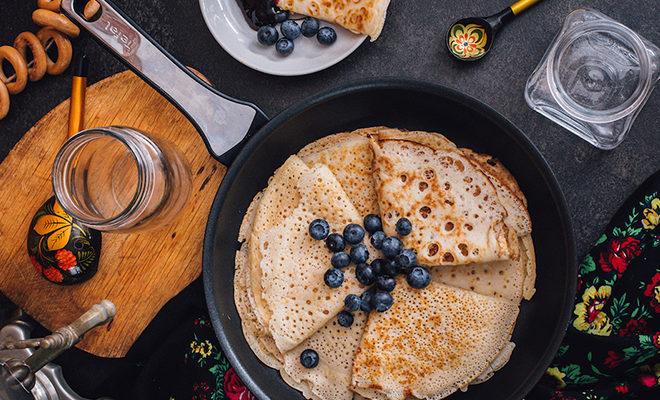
140	271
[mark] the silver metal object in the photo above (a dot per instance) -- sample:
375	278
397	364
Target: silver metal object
28	374
222	121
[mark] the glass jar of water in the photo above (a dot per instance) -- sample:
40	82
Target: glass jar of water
119	179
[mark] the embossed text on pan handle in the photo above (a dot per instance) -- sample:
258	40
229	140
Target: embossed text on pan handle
222	121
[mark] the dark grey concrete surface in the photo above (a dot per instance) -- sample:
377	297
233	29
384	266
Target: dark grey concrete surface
594	182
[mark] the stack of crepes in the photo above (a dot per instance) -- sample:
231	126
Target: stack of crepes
470	227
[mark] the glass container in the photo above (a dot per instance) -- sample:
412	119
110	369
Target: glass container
595	78
119	179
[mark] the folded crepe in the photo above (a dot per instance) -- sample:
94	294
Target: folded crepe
279	200
336	345
257	335
455	211
293	263
508	191
359	16
510	279
505	279
431	343
350	158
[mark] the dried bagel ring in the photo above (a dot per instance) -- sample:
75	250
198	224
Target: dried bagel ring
18	82
52	5
58	21
40	62
91	8
4	100
64	50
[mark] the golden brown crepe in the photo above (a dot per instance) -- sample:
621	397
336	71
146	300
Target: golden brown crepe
456	215
431	343
359	16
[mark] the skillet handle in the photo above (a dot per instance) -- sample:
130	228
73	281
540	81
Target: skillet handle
222	121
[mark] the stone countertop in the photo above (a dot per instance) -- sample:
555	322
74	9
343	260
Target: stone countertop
411	46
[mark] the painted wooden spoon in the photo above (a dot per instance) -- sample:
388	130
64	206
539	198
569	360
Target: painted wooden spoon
469	39
61	249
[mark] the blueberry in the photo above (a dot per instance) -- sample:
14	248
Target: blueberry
389	267
385	283
281	16
319	228
335	242
419	277
403	226
326	36
345	319
352	302
333	277
267	35
340	260
309	358
372	223
405	260
284	46
377	239
365	300
381	301
359	254
365	274
309	27
377	266
353	233
392	246
290	29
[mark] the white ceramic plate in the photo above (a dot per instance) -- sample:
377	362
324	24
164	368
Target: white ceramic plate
228	25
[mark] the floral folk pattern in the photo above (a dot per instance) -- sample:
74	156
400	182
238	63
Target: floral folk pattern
61	250
467	41
618	299
215	378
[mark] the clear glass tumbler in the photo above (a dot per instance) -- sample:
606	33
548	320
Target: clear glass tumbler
119	179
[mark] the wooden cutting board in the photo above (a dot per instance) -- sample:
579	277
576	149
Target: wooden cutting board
140	271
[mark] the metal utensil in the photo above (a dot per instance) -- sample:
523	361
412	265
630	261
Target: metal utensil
470	39
34	377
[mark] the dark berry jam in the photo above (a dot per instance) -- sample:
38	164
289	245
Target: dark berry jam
262	12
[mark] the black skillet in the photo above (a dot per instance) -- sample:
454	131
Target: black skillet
404	104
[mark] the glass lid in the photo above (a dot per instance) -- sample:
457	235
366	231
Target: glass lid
599	71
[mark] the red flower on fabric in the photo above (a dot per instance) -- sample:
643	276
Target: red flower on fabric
619	254
634	327
647	380
559	395
200	389
652	290
36	264
66	259
53	275
234	388
612	360
656	340
621	388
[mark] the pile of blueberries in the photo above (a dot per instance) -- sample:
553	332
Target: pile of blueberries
380	274
267	35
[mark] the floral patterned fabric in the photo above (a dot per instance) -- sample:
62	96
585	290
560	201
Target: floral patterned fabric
612	345
191	366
